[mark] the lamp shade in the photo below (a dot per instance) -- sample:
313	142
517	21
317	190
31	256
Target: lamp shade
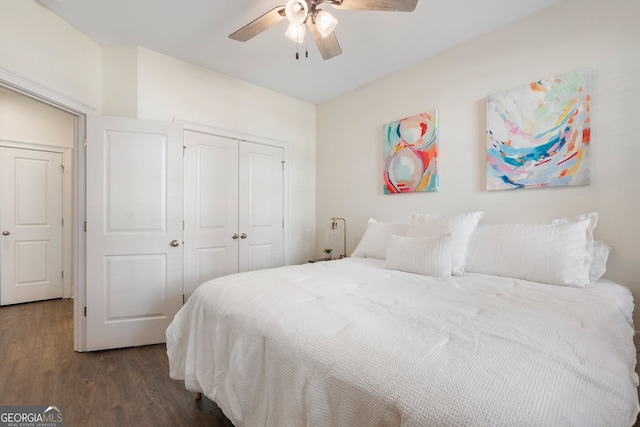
295	32
325	22
296	11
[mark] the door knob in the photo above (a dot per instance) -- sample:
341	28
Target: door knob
235	236
175	243
243	236
6	233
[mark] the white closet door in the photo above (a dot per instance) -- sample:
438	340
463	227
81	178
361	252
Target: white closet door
31	225
261	209
134	230
233	207
210	208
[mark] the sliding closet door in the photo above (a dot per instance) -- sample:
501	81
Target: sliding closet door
210	208
261	176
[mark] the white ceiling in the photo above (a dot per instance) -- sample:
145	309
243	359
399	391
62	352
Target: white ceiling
374	44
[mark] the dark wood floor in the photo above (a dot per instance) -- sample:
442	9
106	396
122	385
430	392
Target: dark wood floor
126	387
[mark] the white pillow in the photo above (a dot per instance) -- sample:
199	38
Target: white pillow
375	239
600	256
546	253
460	226
429	257
592	217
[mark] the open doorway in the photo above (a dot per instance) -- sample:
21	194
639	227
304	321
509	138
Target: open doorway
36	154
27	90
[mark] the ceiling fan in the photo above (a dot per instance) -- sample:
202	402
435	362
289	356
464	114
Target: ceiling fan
319	22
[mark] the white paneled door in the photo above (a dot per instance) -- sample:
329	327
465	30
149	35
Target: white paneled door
31	225
233	204
261	223
134	231
210	208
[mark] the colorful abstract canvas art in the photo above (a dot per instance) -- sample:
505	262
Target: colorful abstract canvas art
410	154
539	135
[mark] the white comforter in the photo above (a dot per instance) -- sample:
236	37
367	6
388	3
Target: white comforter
348	343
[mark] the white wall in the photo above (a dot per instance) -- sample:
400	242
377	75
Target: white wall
576	34
120	81
23	119
39	46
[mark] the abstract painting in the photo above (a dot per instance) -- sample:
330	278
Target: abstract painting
410	154
538	135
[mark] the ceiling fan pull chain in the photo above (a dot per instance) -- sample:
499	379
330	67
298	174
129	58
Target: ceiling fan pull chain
297	44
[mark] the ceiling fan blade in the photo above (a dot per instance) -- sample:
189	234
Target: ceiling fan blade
387	5
258	25
328	46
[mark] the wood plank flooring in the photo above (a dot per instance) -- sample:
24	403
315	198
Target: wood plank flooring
125	387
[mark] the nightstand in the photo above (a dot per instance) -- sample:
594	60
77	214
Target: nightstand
320	259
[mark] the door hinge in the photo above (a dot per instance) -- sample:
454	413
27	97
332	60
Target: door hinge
183	299
62	221
183	225
184	149
85	311
61	168
63	274
283	223
282	163
84	226
84	141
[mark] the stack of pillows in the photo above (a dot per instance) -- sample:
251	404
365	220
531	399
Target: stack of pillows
562	252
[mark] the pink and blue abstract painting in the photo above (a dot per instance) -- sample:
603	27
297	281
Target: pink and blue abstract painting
539	135
410	154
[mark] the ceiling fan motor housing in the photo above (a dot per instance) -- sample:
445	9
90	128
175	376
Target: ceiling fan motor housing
296	11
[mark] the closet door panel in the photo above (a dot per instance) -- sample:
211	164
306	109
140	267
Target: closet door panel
261	207
210	208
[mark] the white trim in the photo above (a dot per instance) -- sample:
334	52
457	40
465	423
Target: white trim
228	133
246	137
67	205
80	110
33	145
28	87
79	236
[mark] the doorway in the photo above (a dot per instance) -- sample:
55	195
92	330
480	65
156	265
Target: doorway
15	93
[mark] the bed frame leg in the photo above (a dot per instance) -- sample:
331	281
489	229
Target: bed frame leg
197	396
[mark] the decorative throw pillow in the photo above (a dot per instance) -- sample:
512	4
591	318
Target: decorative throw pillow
460	226
429	257
375	239
553	253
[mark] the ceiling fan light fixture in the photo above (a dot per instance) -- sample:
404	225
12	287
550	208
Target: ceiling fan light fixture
296	11
325	22
295	32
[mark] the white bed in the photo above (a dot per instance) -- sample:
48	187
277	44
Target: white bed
354	343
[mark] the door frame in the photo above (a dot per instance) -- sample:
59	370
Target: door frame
34	90
256	139
67	206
